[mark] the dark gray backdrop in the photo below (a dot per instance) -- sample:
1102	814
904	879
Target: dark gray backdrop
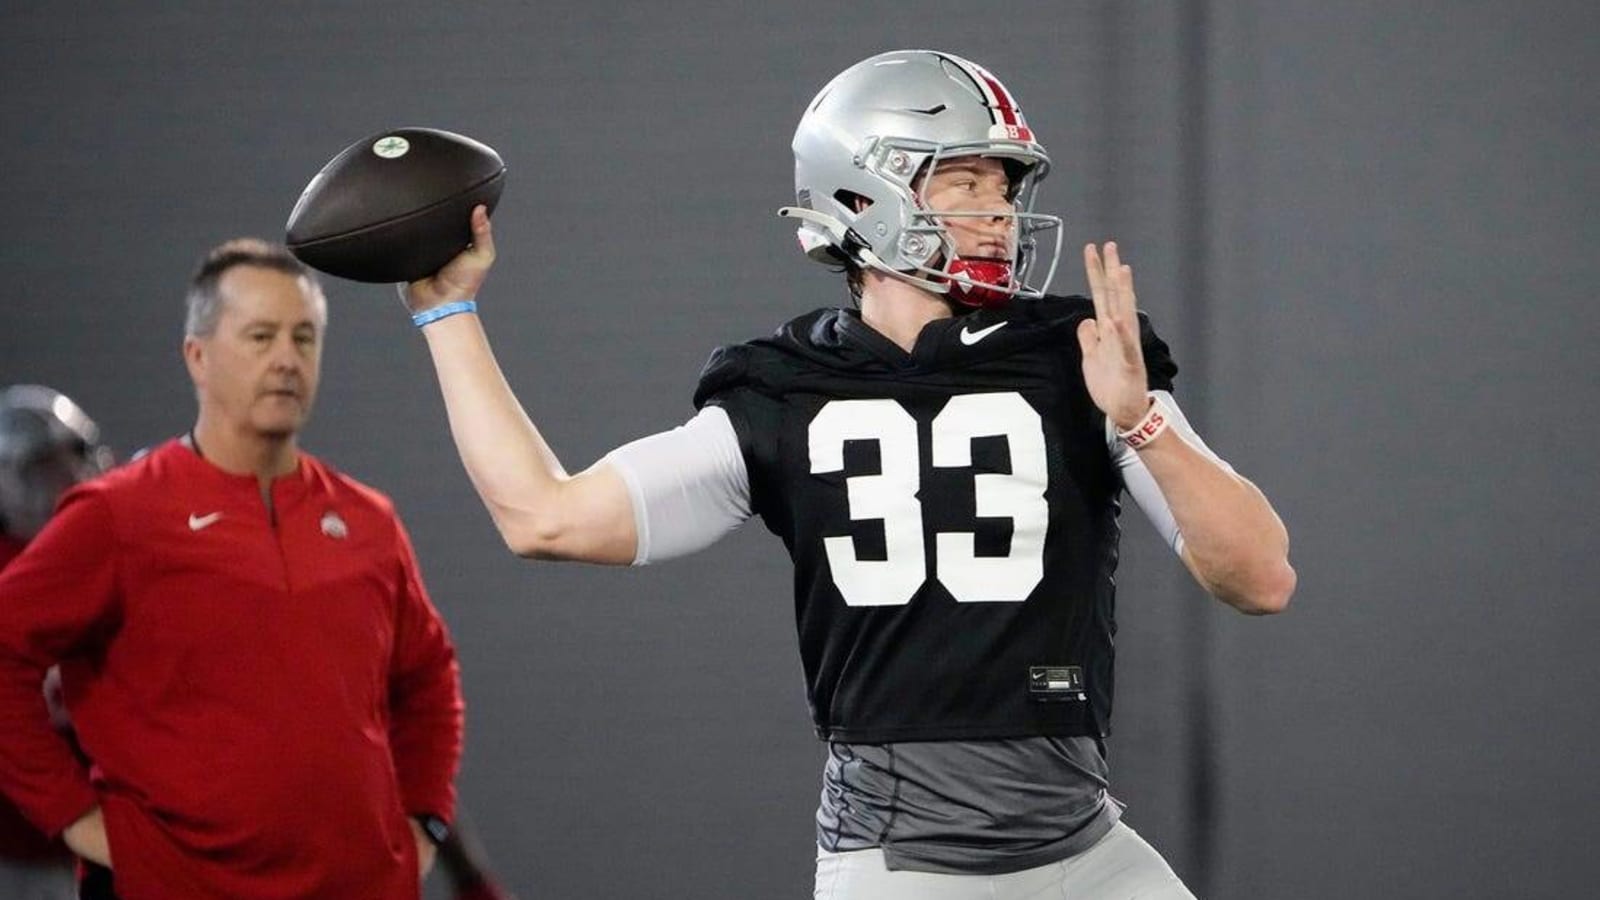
1367	228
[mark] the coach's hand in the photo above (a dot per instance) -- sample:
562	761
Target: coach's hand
1113	361
87	838
426	852
461	277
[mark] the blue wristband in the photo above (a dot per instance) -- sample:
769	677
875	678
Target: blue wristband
444	311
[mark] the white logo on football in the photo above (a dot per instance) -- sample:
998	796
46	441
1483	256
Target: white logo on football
972	337
333	526
392	147
206	521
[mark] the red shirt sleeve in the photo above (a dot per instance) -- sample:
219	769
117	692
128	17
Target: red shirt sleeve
57	600
425	707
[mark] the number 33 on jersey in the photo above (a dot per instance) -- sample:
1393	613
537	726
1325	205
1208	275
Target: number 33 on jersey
894	497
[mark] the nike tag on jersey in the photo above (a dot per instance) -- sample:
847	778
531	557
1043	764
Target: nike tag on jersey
1055	684
198	522
970	337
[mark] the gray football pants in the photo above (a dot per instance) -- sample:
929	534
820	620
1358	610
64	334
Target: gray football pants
1120	866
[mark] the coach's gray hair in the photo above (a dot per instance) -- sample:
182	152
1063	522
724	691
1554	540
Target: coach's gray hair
204	298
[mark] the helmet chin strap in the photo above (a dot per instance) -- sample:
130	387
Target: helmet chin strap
842	238
835	228
980	283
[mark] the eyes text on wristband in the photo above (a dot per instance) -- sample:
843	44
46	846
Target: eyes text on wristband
1150	427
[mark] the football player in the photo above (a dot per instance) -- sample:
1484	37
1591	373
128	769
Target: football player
943	463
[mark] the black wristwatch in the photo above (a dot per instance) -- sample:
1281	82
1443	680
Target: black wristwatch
437	829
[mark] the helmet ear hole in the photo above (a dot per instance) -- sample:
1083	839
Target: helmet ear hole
856	203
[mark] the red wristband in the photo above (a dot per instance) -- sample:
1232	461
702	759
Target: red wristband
1148	428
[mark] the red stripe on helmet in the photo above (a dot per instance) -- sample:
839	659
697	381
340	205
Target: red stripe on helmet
1002	100
1003	111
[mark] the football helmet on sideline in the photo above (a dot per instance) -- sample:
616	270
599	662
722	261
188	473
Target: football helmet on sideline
47	444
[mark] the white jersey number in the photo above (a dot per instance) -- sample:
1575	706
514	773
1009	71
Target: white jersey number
891	497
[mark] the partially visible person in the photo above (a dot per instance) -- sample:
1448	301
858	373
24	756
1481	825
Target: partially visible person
271	703
47	444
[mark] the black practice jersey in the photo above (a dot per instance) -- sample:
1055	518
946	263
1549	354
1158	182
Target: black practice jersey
951	513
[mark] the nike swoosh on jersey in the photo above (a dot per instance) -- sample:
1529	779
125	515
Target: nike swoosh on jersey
198	522
972	337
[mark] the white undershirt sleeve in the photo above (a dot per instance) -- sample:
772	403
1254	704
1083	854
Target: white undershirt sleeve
1138	480
689	486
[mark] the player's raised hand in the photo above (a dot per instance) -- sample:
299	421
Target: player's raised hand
1113	361
461	277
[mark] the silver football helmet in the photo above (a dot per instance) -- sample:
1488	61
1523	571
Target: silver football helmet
47	444
876	133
